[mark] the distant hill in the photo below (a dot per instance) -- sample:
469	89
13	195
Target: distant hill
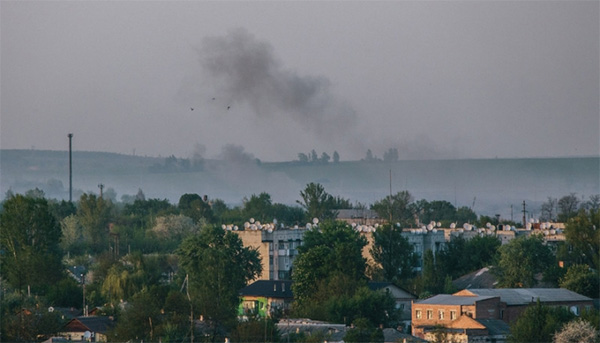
489	185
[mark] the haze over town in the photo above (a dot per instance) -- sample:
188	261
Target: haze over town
432	79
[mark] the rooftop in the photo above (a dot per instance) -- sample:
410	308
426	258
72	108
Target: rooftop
449	299
520	296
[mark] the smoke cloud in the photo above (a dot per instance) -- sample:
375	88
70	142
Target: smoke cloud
245	71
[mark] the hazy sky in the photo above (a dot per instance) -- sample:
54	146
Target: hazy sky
451	79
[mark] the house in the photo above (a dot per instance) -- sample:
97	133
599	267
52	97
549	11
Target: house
91	328
403	297
516	300
263	297
484	314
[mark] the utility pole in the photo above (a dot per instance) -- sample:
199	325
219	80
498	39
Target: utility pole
70	135
524	215
391	198
101	186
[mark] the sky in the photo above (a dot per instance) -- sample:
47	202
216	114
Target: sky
271	79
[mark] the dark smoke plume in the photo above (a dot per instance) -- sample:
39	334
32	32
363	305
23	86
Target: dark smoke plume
245	71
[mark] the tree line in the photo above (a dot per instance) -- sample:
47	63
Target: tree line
155	263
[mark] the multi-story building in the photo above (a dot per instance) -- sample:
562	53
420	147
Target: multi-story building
277	249
484	314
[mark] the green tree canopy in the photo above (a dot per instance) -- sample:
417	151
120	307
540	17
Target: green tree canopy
94	214
582	232
393	254
330	264
29	239
538	323
581	279
395	208
520	260
218	266
317	202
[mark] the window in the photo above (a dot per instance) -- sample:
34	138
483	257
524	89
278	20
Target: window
441	314
418	314
452	315
429	314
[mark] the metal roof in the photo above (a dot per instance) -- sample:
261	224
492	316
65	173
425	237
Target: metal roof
269	289
449	299
521	296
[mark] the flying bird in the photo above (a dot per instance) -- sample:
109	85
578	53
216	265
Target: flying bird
228	107
191	108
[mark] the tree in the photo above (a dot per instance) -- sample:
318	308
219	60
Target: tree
72	235
325	157
567	207
193	206
174	227
333	250
393	254
581	279
362	331
259	207
432	280
538	323
576	331
302	157
395	207
29	241
218	266
391	155
548	209
316	202
336	157
520	260
94	215
255	329
582	232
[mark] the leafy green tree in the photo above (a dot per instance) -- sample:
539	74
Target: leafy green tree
363	332
259	207
581	279
465	214
432	278
481	251
62	209
333	249
538	323
29	241
256	330
520	260
193	206
65	293
582	232
396	208
218	266
393	254
72	234
287	214
94	214
141	318
336	157
317	202
174	227
437	210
